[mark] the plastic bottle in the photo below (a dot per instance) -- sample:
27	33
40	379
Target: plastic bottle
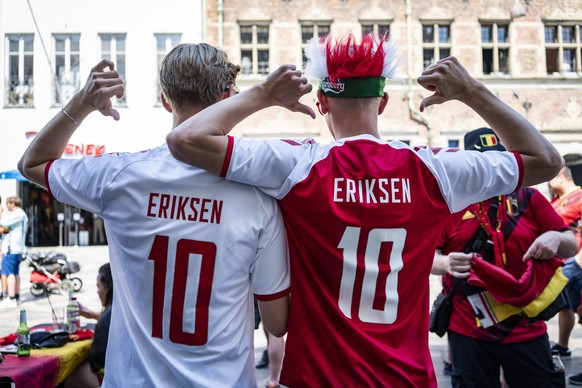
23	336
73	320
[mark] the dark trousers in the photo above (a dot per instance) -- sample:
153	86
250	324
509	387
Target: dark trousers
476	363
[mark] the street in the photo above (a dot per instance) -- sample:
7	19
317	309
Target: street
91	258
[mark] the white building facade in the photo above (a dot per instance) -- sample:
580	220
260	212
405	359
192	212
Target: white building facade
48	50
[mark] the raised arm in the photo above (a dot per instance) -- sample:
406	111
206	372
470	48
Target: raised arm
201	140
449	80
103	84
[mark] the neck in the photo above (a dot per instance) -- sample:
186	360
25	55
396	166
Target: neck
179	118
570	187
348	125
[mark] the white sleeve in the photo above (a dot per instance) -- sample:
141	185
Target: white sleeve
11	218
467	177
265	164
270	269
82	182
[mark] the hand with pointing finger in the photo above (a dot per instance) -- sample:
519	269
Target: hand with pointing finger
285	86
448	79
102	85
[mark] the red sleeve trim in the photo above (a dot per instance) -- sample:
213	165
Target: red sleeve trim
280	294
519	161
46	177
227	157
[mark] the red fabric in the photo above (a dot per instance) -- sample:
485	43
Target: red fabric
536	219
569	207
31	371
8	340
505	288
38	277
81	334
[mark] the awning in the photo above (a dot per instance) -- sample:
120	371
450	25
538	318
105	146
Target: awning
12	174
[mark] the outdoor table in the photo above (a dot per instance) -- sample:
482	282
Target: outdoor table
46	367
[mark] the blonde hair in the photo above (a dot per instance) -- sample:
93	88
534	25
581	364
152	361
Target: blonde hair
195	75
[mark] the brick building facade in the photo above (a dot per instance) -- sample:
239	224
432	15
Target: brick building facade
528	53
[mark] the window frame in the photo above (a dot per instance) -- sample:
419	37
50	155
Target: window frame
169	44
114	54
436	45
23	90
376	24
316	24
64	89
255	47
561	46
496	46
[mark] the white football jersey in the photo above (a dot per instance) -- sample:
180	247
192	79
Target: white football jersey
187	249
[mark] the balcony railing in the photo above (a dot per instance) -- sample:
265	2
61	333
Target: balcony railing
19	92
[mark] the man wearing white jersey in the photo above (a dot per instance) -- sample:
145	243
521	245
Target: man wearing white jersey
187	248
362	214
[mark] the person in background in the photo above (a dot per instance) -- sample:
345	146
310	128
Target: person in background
526	228
567	201
90	372
15	221
187	249
3	285
362	214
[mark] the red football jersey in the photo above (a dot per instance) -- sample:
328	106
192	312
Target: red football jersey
535	218
569	207
362	218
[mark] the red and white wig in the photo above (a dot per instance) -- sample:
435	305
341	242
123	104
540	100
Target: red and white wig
350	69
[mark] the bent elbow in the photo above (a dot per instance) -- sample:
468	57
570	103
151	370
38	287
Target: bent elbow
279	332
22	168
556	163
177	145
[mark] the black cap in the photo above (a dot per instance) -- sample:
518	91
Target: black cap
483	139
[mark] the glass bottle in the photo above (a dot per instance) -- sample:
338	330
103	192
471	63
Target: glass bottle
23	336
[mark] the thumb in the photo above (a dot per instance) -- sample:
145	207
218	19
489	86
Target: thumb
115	114
428	101
528	254
302	108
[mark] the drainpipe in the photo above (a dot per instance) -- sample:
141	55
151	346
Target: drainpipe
415	114
220	9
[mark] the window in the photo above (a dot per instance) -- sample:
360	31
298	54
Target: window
563	44
495	48
453	143
113	48
254	48
67	54
19	82
311	30
164	43
376	28
436	43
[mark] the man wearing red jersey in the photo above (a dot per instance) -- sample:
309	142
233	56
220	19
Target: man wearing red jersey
506	231
362	215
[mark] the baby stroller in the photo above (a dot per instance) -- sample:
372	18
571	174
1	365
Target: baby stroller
51	272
